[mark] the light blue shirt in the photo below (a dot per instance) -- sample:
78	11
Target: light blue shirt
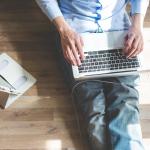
83	15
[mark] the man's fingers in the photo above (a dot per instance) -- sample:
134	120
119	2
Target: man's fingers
75	53
128	43
81	40
79	46
66	56
134	47
139	49
70	56
82	53
65	53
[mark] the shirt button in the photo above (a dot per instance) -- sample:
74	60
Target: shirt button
98	17
99	7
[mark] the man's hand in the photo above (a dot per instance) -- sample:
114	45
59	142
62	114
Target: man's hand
71	42
72	45
134	42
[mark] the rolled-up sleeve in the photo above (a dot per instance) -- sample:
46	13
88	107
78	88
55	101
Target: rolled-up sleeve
50	8
139	6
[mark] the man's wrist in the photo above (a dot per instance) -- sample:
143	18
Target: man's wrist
61	24
137	21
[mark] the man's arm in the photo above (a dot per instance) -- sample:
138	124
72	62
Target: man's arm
134	40
139	7
70	40
50	8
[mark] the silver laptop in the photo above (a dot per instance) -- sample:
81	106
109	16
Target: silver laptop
104	57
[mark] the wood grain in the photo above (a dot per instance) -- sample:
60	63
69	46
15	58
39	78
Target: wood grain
43	118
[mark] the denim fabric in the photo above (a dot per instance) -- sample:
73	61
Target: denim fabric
109	108
111	113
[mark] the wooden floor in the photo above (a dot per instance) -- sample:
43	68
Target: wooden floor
43	118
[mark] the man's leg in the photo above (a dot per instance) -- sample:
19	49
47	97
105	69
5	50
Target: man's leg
90	101
123	113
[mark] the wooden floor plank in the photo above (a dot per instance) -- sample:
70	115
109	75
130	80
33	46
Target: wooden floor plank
44	117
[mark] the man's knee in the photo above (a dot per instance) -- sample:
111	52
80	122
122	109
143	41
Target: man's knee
89	98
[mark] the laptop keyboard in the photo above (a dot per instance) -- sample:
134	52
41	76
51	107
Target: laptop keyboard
107	60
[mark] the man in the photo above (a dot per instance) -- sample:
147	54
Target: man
109	105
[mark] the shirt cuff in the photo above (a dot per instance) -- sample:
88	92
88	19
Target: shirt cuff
139	6
52	10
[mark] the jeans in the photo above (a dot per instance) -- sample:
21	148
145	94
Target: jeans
109	108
